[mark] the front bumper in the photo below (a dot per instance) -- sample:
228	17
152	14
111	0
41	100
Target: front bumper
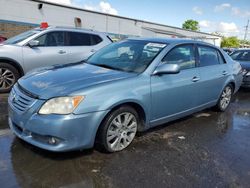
56	132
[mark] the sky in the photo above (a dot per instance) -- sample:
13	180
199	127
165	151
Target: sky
227	17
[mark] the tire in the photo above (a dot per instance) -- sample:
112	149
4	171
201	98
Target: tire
115	133
225	98
8	77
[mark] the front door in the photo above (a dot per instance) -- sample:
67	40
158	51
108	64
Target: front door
174	94
50	51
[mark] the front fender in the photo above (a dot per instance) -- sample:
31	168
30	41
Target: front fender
13	63
108	96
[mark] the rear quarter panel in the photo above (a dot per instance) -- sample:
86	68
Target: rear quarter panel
235	71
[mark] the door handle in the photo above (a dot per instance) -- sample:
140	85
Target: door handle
61	52
224	73
93	50
195	79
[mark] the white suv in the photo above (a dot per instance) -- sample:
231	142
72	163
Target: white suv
45	47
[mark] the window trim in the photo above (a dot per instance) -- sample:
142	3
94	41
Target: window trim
184	44
222	56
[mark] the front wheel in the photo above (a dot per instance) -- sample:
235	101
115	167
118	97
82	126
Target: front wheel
118	129
225	98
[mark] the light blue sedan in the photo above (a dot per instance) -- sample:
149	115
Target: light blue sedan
128	86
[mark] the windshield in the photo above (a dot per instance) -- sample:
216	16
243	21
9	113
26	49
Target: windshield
21	37
128	56
241	55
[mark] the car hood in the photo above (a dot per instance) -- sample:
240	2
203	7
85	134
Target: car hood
62	80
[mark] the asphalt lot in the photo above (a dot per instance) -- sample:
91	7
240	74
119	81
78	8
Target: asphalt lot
208	149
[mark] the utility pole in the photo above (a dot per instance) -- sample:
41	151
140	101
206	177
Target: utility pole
245	36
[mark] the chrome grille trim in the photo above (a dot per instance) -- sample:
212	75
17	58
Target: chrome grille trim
19	100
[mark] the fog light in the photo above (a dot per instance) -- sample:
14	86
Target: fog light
52	140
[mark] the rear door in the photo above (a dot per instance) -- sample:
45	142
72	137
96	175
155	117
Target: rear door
81	45
173	94
50	51
214	73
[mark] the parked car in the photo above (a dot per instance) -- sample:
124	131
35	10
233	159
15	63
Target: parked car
228	50
43	47
243	57
2	39
126	87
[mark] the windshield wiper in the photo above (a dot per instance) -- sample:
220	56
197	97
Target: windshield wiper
105	66
108	67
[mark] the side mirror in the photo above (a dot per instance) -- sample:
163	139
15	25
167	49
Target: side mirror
167	69
33	43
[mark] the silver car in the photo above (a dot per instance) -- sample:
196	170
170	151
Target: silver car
44	47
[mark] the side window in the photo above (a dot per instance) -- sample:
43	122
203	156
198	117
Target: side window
182	55
221	59
208	56
51	39
95	39
78	39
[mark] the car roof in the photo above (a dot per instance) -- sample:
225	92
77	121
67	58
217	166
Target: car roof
171	40
242	49
63	28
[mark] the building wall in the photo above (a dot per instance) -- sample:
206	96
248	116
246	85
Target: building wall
9	29
26	15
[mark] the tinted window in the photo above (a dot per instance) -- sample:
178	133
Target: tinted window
51	39
78	39
95	39
208	56
241	55
182	55
82	39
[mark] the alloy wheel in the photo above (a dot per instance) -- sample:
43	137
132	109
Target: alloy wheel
226	97
121	131
7	78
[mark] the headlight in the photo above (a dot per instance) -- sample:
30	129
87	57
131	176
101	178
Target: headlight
244	71
61	105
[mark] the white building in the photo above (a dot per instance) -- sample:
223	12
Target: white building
19	15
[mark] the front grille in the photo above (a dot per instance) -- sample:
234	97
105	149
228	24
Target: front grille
20	100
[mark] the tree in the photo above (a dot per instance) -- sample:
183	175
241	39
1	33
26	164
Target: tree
191	25
230	42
